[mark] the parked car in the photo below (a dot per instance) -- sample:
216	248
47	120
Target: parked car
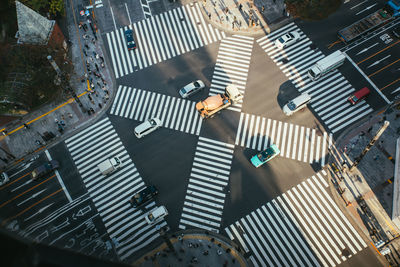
191	88
359	95
45	169
287	39
264	156
143	196
4	178
147	127
130	42
156	215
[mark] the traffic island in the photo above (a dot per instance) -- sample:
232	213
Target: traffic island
194	247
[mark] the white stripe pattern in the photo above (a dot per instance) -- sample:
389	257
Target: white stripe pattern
328	94
232	66
303	227
111	194
175	113
254	132
205	196
159	38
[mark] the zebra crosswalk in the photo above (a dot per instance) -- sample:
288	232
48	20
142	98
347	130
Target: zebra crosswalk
161	37
303	227
111	193
232	66
328	94
175	113
294	141
205	196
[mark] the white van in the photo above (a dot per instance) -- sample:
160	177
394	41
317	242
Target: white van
296	104
156	215
326	65
109	165
147	127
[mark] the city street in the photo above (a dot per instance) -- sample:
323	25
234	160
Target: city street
281	213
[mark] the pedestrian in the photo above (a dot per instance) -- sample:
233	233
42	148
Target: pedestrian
87	47
102	59
233	25
240	7
94	53
97	67
98	83
91	59
209	16
97	56
84	52
226	10
90	98
262	9
92	110
100	106
92	101
102	65
4	132
26	126
70	114
56	121
84	27
80	25
92	85
93	41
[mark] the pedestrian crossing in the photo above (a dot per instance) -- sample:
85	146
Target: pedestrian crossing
232	66
111	193
302	227
294	141
175	113
161	37
205	195
329	94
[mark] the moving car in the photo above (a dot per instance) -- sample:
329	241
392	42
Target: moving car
4	178
143	196
396	32
147	127
359	95
156	215
296	104
287	39
130	42
45	169
264	156
191	88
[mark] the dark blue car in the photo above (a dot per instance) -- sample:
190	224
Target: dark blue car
130	42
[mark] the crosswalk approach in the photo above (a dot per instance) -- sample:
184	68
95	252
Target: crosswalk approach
175	113
161	37
209	177
111	193
329	93
302	227
294	141
232	66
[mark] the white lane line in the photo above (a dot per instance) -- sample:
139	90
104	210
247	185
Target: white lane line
129	15
59	178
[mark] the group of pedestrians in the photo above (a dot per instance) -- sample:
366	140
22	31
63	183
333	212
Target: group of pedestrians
94	67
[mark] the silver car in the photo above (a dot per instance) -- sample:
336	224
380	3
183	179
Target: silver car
191	88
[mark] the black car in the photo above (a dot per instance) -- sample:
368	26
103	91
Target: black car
130	42
144	196
45	169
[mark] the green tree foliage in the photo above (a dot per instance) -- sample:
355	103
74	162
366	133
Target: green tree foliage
53	7
312	9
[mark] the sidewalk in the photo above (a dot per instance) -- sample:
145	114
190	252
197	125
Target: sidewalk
366	191
194	248
53	122
241	16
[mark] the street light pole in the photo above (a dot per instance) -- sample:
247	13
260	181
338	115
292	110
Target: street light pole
368	147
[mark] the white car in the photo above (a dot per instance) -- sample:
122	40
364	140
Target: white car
191	88
287	39
4	178
156	215
147	127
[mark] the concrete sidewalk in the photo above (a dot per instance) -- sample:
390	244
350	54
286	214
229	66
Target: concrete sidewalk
365	193
90	81
241	16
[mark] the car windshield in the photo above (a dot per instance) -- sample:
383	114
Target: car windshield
131	43
354	98
281	40
266	154
183	90
291	105
151	217
196	84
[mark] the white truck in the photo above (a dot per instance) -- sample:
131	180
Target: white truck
326	65
110	165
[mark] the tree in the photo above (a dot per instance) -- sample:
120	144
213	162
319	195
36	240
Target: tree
312	9
53	7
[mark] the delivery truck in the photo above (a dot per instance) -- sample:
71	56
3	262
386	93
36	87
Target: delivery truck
327	64
109	165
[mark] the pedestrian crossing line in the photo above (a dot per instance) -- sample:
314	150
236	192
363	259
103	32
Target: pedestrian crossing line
209	177
257	132
123	223
175	113
159	38
328	94
302	227
232	66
